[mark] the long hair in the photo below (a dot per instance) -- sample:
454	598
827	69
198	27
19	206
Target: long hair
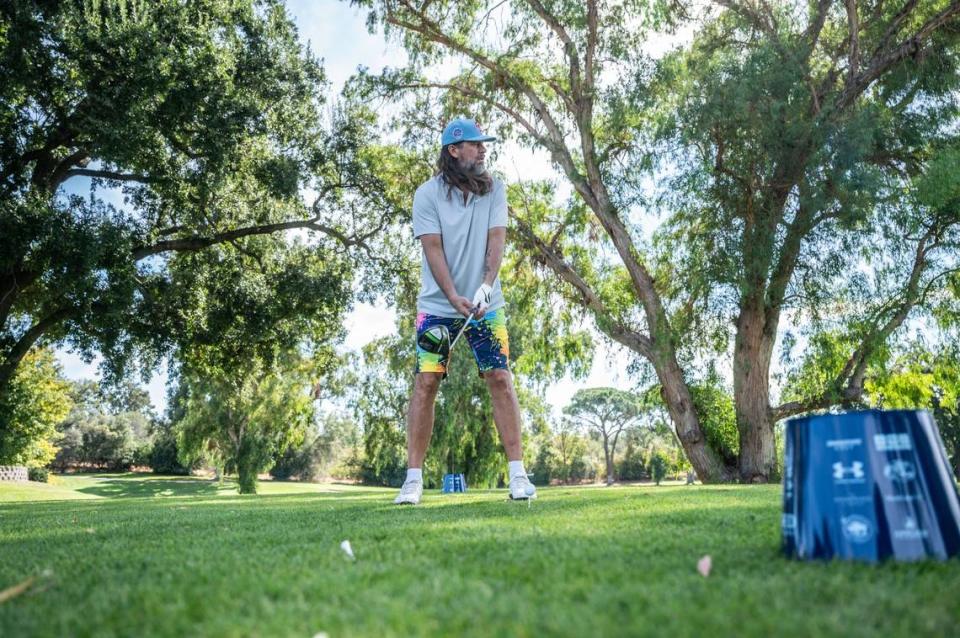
474	180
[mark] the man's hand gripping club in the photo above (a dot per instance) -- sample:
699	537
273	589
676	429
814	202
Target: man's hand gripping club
477	308
481	301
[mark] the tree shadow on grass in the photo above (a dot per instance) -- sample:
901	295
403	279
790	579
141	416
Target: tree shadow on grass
127	487
150	486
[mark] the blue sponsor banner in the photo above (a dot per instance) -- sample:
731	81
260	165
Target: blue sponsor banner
454	483
868	486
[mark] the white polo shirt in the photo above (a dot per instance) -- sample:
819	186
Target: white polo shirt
463	228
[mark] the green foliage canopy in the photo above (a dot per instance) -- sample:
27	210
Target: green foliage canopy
242	419
199	129
607	413
38	399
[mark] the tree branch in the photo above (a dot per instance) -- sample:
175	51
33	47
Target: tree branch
77	158
895	25
555	140
848	385
585	118
615	330
19	350
110	175
812	34
199	242
569	48
13	283
884	59
766	24
719	166
854	27
803	222
477	95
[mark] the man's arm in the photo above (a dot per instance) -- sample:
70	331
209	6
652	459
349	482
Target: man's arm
433	250
496	238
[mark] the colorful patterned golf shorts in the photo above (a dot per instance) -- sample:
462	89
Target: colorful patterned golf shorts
487	337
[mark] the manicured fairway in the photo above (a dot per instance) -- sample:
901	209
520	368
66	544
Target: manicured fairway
143	556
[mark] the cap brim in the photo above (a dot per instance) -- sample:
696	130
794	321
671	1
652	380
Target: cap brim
480	138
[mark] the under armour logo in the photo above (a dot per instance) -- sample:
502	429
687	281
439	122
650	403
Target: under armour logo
855	470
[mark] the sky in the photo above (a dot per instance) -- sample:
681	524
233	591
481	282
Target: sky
337	33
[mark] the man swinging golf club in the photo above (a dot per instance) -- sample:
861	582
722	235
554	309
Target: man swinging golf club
460	218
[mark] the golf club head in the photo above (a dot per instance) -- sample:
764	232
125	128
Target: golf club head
436	340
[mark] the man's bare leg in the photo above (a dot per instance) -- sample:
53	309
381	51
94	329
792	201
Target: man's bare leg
506	410
419	429
420	416
506	414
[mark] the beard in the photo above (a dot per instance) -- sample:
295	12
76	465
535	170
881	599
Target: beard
473	168
467	176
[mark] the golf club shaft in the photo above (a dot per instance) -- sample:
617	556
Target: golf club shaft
465	324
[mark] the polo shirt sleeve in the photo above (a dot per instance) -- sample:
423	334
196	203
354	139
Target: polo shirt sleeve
426	218
498	205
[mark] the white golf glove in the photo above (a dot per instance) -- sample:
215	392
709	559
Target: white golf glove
482	297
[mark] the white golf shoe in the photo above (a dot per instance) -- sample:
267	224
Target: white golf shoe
521	489
410	493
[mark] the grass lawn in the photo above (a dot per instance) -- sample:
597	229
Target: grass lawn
135	555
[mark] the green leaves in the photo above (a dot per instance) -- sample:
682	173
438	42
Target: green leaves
37	400
199	127
605	404
939	186
241	419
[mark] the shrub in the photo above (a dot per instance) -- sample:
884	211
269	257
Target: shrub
718	419
38	474
385	458
69	446
350	467
543	467
658	467
631	466
580	470
303	463
141	454
322	452
163	457
391	473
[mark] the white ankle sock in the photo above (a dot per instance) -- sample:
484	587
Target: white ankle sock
515	468
415	474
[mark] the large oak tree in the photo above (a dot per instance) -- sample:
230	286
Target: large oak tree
149	151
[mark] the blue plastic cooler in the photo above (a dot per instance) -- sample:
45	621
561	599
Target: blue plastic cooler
868	486
454	483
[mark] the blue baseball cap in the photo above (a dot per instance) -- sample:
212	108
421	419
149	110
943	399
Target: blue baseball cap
463	130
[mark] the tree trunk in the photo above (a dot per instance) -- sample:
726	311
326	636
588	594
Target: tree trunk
676	395
609	459
246	465
246	477
19	349
658	349
751	394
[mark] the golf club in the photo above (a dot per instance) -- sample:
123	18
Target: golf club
465	324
